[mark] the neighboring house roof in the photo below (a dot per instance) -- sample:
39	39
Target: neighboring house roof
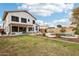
43	27
6	13
50	27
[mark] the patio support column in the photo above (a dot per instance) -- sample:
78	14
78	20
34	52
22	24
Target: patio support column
10	29
26	29
34	28
18	28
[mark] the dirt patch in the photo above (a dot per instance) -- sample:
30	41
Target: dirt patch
4	37
72	39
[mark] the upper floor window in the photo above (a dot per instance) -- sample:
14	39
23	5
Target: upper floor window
15	18
33	21
23	20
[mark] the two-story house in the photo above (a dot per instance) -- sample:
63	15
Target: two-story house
19	22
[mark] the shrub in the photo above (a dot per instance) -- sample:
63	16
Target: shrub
62	30
58	35
77	30
44	34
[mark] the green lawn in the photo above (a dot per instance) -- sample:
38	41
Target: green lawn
36	45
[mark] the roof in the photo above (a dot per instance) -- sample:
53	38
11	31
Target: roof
23	25
51	27
6	13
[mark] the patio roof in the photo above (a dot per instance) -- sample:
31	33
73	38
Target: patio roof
21	25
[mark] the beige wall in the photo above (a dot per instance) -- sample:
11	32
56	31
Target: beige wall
21	15
57	30
43	28
54	30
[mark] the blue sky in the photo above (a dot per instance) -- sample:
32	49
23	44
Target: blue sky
50	14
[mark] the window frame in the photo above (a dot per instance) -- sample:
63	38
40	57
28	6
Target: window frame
33	21
14	29
23	21
14	18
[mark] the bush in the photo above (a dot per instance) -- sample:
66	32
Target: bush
77	30
2	33
58	35
62	30
44	34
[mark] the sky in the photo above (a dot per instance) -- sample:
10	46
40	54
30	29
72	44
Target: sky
51	14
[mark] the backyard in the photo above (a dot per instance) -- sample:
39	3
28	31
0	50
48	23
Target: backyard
37	45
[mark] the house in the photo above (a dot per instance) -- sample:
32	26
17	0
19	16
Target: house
68	30
19	22
43	28
50	29
53	30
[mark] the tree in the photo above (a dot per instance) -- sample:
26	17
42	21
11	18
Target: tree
59	26
75	19
75	15
77	31
58	35
62	30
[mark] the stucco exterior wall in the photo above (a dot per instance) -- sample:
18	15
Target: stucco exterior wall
20	15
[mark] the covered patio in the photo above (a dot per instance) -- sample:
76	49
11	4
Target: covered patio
20	28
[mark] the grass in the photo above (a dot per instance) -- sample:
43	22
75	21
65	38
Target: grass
37	45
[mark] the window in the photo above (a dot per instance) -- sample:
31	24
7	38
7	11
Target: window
14	18
30	29
22	29
28	20
14	29
23	20
33	21
36	28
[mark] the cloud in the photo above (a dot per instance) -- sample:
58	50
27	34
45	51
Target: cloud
41	1
1	22
64	22
0	19
46	9
41	22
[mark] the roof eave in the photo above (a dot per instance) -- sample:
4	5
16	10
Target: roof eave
6	12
